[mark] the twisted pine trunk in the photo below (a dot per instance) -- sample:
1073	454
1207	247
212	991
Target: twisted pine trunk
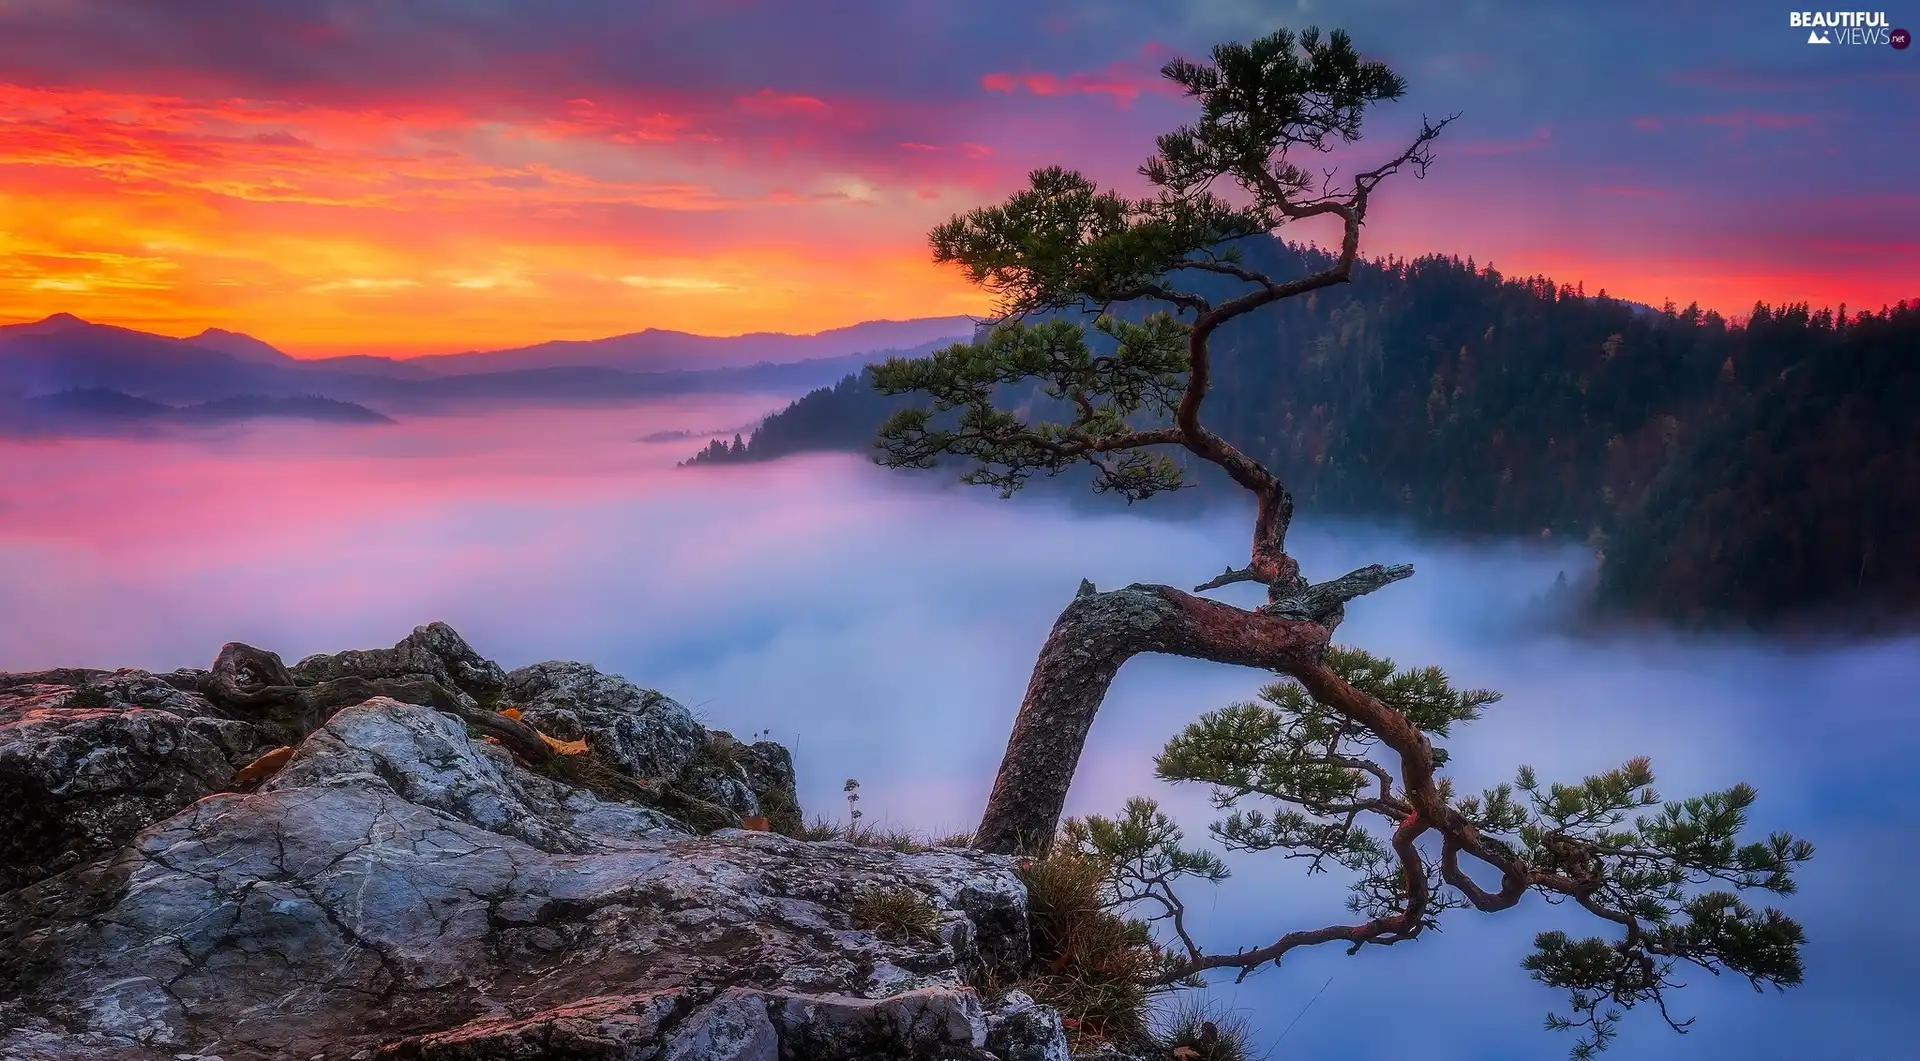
1092	638
1100	631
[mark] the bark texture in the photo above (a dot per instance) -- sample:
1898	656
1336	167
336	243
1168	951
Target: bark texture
1100	631
1095	635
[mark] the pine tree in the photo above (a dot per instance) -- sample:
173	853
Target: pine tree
1344	739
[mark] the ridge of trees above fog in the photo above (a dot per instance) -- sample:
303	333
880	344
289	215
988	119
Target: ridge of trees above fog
1754	472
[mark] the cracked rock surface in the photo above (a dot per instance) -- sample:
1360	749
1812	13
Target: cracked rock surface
88	759
402	890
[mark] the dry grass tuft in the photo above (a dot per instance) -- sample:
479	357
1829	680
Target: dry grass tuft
889	838
1195	1030
1089	962
901	912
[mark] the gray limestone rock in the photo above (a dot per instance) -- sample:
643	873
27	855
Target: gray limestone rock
84	768
643	732
432	651
613	1026
1020	1030
927	1023
650	736
401	888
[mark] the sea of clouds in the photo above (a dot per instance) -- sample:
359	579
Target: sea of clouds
883	626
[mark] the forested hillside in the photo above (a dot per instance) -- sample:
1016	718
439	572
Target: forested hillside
1752	473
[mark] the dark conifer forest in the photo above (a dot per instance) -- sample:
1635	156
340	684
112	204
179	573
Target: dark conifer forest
1762	473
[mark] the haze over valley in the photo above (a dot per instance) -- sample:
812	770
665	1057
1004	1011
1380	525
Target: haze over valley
878	625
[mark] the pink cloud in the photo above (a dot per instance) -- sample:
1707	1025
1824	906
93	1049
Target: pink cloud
1122	81
768	103
1769	81
1739	123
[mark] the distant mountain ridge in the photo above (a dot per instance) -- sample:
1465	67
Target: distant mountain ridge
655	350
64	353
97	410
236	344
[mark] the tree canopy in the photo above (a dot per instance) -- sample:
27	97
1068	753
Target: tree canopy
1063	243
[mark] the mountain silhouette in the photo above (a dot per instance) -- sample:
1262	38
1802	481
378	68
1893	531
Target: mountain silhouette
65	353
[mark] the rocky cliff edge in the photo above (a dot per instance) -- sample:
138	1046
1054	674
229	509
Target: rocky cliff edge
191	868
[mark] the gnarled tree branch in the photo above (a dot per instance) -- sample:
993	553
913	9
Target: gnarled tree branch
1323	602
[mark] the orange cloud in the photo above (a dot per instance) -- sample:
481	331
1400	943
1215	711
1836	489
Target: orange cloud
412	226
413	229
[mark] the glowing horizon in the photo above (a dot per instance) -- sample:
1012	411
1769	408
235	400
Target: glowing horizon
510	180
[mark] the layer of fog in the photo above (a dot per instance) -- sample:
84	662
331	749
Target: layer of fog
884	628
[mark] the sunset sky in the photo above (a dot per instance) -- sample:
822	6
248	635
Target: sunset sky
339	176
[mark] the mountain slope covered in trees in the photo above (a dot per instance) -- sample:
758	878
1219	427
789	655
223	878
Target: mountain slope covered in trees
1755	473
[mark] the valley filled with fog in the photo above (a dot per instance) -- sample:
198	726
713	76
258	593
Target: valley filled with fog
882	626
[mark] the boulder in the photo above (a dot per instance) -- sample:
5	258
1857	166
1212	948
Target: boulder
84	767
736	1024
402	890
1022	1031
769	776
645	733
433	651
650	736
926	1023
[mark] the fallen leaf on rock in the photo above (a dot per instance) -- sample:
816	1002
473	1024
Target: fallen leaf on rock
759	825
264	767
510	712
565	747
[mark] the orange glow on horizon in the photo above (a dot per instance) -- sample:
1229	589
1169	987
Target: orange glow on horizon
421	227
326	231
